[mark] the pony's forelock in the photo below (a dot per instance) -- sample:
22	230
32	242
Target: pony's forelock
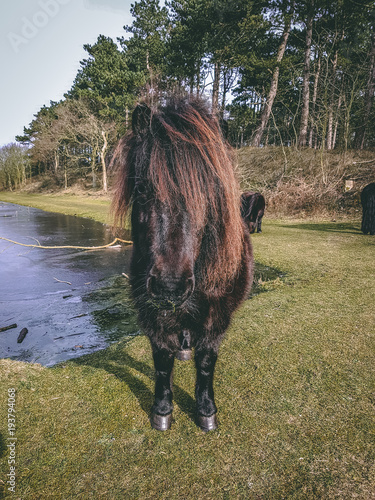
124	183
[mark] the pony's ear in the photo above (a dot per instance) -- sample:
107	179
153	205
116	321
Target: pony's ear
141	119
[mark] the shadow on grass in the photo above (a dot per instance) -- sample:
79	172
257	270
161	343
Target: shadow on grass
265	277
329	227
117	362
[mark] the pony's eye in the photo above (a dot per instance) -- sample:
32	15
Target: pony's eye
140	188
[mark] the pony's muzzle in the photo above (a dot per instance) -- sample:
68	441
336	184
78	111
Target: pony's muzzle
169	291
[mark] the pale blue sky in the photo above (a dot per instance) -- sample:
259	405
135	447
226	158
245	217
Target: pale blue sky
41	46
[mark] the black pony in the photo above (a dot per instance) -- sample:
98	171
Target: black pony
192	260
368	209
252	210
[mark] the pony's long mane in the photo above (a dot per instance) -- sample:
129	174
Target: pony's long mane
182	154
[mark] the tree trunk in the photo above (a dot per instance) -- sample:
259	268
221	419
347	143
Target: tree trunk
336	123
56	162
215	89
329	125
94	154
332	98
315	95
227	78
369	98
198	77
349	97
266	112
330	109
306	79
102	158
224	96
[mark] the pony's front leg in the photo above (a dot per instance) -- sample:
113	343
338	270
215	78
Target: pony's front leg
205	360
161	413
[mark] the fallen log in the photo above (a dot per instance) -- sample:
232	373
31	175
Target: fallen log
22	335
5	328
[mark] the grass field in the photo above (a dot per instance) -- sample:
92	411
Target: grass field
294	383
93	207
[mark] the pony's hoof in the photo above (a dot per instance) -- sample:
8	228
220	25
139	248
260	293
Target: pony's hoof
161	422
207	423
184	355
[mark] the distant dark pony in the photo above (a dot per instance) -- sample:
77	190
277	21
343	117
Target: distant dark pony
252	210
192	260
368	209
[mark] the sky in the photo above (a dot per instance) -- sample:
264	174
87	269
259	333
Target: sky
40	50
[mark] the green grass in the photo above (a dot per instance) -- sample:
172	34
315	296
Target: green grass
71	204
295	389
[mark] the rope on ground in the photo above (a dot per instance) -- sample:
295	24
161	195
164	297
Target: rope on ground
68	246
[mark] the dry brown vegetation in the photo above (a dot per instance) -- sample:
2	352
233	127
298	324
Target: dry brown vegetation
296	183
307	182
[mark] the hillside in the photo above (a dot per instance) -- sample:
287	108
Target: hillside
307	182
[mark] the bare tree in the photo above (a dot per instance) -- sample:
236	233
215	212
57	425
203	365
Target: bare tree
306	78
215	88
83	139
369	98
314	97
267	107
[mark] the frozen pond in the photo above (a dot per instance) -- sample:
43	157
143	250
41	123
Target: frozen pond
64	320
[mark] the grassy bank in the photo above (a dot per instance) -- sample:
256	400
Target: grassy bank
84	205
295	389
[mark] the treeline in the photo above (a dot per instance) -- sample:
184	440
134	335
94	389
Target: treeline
15	166
276	72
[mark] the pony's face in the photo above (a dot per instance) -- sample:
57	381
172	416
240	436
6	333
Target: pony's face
176	173
165	240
